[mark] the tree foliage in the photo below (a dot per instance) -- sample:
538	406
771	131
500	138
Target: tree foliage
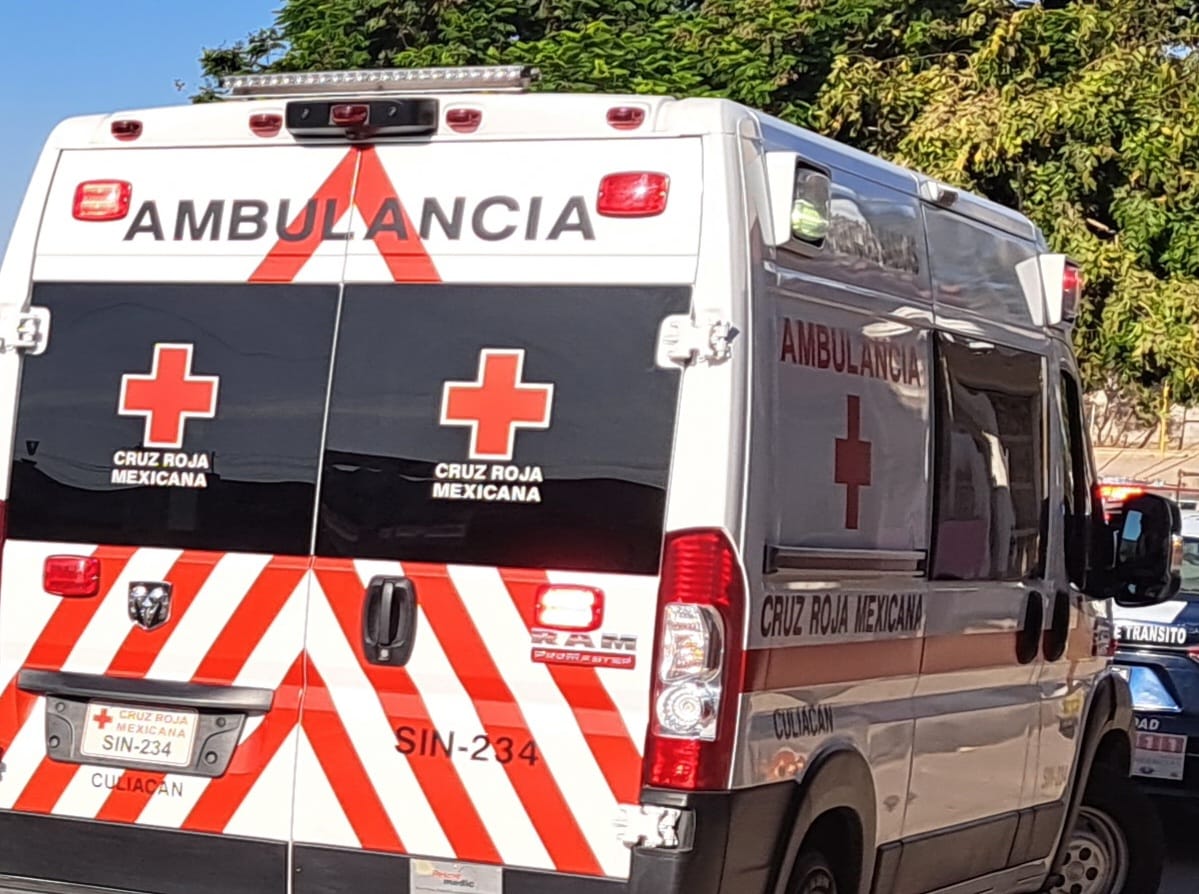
1084	115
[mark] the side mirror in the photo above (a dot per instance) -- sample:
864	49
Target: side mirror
1146	566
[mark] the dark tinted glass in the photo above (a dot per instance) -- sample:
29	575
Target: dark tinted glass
584	484
976	268
990	463
242	478
1076	488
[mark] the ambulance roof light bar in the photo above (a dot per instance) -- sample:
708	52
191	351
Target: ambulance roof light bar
490	78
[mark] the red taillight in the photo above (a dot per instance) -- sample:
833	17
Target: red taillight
633	194
126	129
626	117
1071	279
699	663
1071	291
568	607
464	120
350	114
266	124
73	576
102	200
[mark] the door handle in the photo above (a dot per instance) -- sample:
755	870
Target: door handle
1058	634
1028	639
389	620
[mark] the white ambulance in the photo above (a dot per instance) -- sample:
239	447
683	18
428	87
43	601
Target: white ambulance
416	485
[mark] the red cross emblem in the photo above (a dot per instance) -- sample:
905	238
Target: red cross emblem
496	404
852	461
103	718
168	396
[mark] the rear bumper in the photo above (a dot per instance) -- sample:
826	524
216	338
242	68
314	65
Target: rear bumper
736	840
737	837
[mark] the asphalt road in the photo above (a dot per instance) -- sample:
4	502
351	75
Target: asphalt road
1182	871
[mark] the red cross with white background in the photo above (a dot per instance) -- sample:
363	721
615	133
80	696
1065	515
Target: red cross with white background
496	404
168	396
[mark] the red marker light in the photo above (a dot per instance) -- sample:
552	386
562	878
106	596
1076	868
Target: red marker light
626	117
349	114
71	576
568	607
1071	291
464	120
97	200
633	194
126	129
266	124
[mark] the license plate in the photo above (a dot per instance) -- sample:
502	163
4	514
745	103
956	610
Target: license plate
1159	756
141	735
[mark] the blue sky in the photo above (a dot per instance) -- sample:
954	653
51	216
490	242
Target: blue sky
60	58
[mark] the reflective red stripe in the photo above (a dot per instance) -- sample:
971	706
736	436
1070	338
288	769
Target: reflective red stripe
501	716
124	806
141	647
407	258
359	178
39	787
256	611
439	780
222	797
250	621
57	639
344	770
597	715
287	258
45	787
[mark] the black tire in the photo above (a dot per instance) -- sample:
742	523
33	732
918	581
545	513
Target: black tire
813	874
1117	845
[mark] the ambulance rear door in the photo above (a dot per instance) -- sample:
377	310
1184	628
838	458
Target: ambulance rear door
161	511
499	443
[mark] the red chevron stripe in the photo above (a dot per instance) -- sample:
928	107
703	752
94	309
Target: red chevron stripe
222	797
141	647
57	639
51	778
258	609
501	716
402	702
344	770
597	715
285	260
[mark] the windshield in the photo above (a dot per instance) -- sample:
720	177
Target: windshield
1190	567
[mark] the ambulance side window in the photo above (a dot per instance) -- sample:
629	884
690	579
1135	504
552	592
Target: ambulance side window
990	468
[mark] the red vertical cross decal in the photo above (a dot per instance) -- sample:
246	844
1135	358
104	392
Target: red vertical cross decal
168	396
103	718
853	461
496	404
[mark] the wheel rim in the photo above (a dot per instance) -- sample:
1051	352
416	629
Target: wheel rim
817	881
1097	859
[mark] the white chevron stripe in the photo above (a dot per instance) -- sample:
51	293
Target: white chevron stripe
452	710
319	817
550	719
371	734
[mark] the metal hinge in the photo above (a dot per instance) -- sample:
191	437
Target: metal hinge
682	340
27	331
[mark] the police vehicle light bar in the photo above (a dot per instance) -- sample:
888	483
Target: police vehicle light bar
382	80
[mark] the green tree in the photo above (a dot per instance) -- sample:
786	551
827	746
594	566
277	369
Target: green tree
1085	115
